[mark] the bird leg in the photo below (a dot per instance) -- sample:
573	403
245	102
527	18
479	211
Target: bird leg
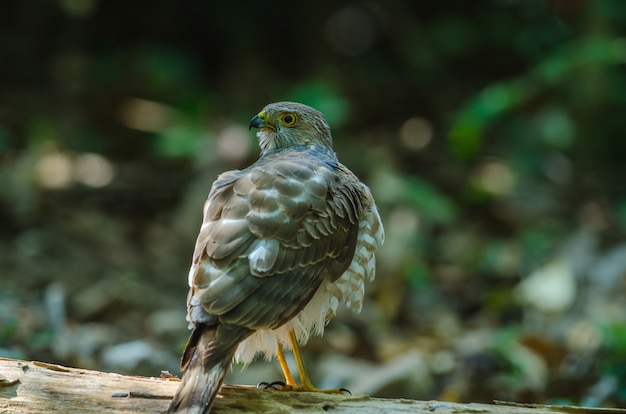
280	355
305	381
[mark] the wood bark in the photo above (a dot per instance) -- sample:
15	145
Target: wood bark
38	387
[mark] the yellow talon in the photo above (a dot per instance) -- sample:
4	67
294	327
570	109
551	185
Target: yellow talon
305	381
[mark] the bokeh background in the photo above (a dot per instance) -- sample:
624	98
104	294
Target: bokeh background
492	134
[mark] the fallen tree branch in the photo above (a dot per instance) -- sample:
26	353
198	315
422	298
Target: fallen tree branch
36	387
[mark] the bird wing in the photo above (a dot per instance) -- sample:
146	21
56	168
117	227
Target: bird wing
271	233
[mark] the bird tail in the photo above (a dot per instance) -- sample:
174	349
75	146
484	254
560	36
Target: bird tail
207	357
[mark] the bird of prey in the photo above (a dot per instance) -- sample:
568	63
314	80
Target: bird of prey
282	244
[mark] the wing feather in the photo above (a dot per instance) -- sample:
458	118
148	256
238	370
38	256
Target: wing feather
271	234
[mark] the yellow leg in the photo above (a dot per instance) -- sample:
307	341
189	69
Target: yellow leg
280	355
305	381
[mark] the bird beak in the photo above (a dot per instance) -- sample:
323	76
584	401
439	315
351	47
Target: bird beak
256	121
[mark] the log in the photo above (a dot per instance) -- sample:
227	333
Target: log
37	387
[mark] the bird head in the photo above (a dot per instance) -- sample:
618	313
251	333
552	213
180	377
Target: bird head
285	124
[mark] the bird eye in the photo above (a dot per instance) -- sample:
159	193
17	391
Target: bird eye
289	119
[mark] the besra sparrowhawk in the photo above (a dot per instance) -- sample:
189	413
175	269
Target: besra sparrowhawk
282	244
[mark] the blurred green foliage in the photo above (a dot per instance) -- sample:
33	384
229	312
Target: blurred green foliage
491	134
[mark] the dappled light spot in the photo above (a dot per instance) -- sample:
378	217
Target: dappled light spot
496	178
145	115
404	220
416	133
58	169
54	170
550	289
233	143
93	170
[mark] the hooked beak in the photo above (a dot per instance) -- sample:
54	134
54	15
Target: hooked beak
256	122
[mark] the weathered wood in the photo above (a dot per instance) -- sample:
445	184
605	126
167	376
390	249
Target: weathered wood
35	387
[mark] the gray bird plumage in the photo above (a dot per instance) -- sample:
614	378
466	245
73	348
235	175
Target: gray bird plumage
282	243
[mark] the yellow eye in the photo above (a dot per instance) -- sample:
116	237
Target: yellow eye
289	119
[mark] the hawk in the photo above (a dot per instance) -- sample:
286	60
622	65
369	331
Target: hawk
282	244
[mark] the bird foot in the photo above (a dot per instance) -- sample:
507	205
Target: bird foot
276	385
281	386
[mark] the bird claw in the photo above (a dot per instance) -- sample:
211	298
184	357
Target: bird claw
275	385
282	386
